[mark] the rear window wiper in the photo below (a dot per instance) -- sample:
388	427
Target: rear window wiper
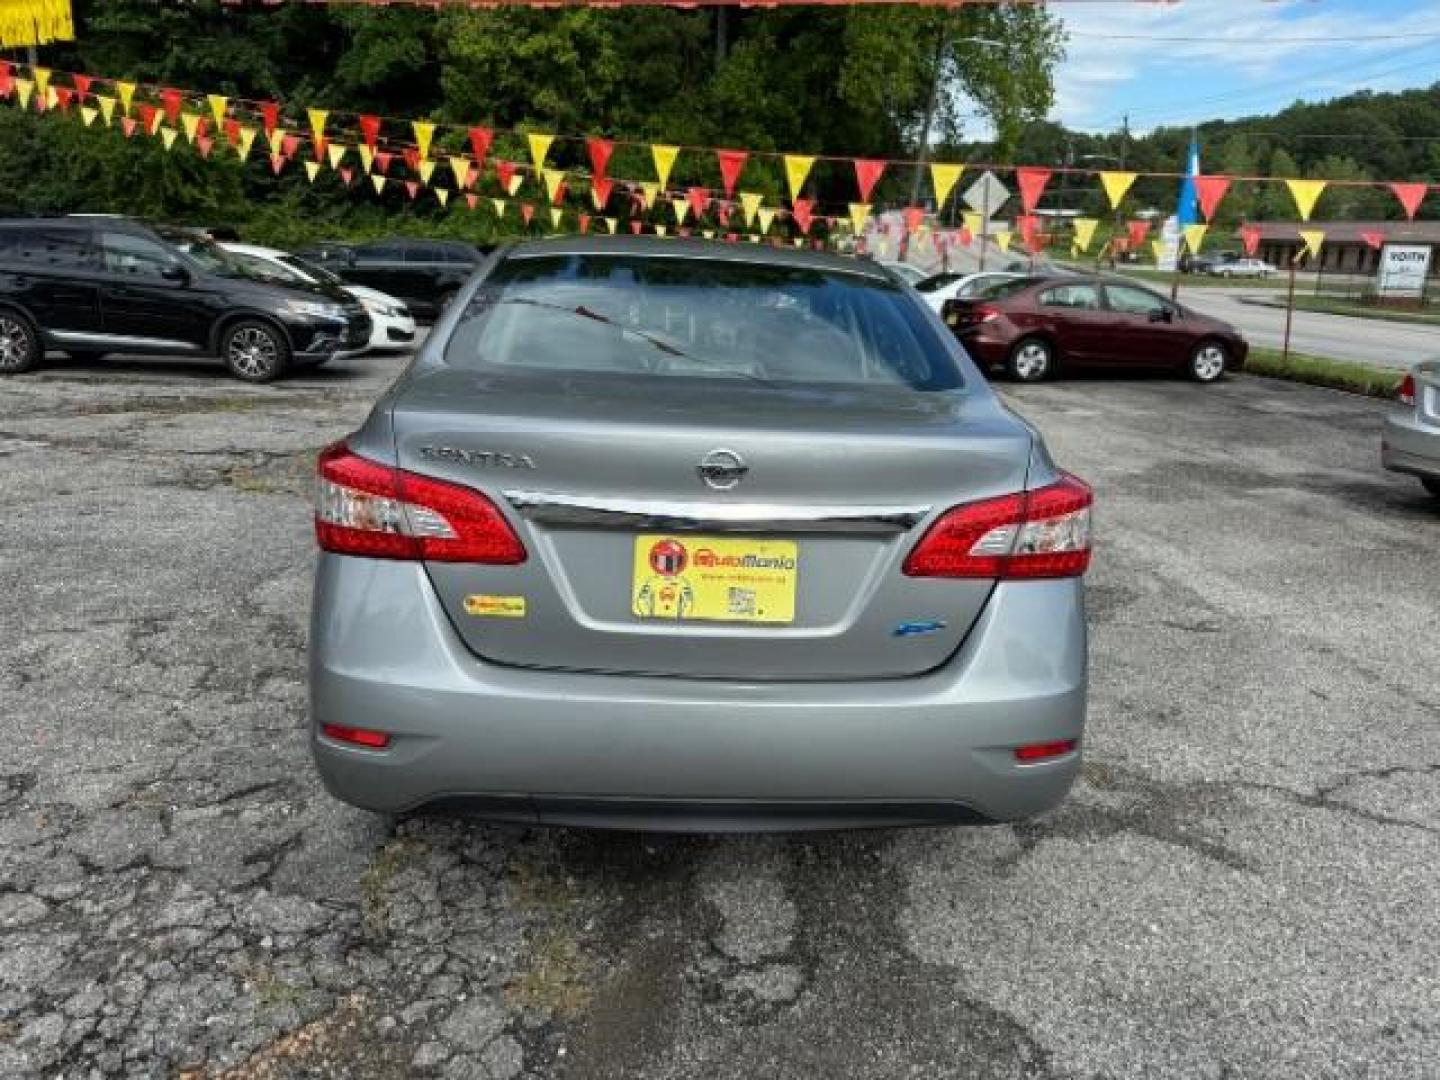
586	313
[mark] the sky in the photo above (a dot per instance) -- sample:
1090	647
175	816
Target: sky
1242	61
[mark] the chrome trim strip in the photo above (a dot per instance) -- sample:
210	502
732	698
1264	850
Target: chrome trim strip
79	337
557	509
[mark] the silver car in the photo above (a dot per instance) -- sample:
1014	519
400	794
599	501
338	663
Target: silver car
674	535
1410	440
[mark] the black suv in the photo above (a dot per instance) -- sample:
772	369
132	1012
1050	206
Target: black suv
98	285
423	273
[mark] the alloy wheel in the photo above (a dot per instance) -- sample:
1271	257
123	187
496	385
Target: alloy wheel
15	344
253	352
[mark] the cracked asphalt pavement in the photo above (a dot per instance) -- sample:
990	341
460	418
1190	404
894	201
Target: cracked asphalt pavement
1244	884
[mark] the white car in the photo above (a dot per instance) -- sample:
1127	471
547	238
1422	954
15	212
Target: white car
1243	268
910	274
938	288
392	327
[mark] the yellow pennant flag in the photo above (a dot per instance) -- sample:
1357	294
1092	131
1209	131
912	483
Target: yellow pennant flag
612	224
754	238
247	140
859	214
766	216
42	78
799	241
312	170
1194	237
155	121
427	170
797	168
553	179
750	204
277	140
51	98
336	153
972	221
24	90
664	161
191	123
168	135
460	169
708	234
661	230
1085	232
498	205
424	132
1157	248
367	157
648	191
1312	239
88	114
1116	185
317	123
126	90
944	177
379	182
681	208
515	182
1002	239
443	194
556	213
218	104
539	147
1305	193
107	107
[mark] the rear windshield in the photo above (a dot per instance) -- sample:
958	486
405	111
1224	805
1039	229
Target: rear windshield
676	317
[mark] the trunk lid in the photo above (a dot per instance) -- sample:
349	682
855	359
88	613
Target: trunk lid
837	486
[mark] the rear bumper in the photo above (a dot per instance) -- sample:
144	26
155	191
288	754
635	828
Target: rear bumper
651	752
1408	445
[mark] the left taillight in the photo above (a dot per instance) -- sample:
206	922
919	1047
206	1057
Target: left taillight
1043	533
365	508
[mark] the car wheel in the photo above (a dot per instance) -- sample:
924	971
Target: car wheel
1207	362
1030	360
19	344
255	351
1431	485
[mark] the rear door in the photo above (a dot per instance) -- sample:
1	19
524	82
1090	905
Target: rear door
1148	332
381	266
52	272
1078	321
140	306
734	502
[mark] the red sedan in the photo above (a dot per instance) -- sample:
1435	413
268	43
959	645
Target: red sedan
1031	326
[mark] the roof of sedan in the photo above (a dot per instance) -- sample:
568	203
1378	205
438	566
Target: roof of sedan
666	247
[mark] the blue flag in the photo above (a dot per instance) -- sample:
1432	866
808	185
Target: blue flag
1188	212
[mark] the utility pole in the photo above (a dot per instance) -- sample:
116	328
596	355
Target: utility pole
923	156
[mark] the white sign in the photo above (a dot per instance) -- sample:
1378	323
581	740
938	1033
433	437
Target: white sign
986	195
1169	245
1403	268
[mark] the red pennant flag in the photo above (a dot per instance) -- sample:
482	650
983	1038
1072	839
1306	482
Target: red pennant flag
147	117
413	187
731	238
1375	239
471	199
171	100
480	139
1410	196
527	212
584	224
1029	226
560	190
369	129
63	96
128	125
347	174
289	144
82	84
802	215
277	162
505	170
600	186
1250	238
699	199
600	151
232	131
7	79
914	218
270	115
204	143
1211	189
1139	230
732	163
412	158
966	238
685	232
318	146
635	226
723	214
867	172
1032	185
383	159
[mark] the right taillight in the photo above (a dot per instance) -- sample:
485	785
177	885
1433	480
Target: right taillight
1407	390
365	508
1043	533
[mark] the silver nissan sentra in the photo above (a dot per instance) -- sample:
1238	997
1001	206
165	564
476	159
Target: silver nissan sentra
672	535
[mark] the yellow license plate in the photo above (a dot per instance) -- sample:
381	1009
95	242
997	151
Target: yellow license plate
722	579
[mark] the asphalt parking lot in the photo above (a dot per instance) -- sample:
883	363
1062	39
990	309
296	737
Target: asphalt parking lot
1245	883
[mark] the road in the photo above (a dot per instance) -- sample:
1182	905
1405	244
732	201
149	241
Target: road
1243	884
1339	337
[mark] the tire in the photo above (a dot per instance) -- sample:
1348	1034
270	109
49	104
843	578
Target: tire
254	350
1207	362
1431	485
1030	360
19	343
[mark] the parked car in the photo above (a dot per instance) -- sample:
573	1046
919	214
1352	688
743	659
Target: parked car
94	286
678	535
423	273
1410	439
1031	326
938	288
1243	268
392	326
